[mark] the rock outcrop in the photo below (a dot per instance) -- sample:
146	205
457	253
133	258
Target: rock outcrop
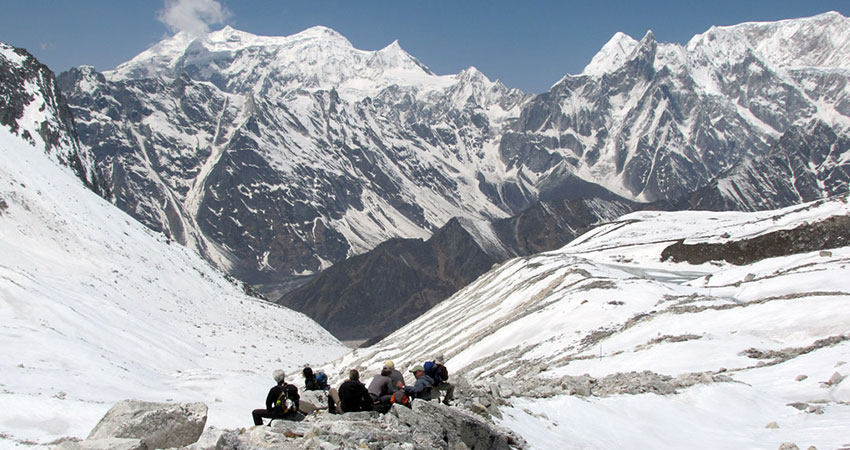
134	424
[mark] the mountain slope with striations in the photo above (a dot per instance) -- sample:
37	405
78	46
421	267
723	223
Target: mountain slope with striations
655	331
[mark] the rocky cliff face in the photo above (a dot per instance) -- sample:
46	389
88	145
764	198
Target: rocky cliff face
807	163
33	108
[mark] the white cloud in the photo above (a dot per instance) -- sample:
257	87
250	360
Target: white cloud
192	16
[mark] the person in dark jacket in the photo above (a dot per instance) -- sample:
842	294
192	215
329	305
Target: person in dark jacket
352	395
422	388
281	403
381	390
310	383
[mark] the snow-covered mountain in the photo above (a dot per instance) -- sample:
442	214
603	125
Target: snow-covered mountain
654	121
95	307
610	342
277	156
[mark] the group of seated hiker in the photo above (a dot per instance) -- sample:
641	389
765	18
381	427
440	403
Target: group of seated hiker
385	389
389	387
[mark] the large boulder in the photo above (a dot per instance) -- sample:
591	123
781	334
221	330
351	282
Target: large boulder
157	425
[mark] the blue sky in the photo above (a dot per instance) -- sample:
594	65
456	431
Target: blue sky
526	44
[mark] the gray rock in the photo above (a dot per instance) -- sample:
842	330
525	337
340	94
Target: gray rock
209	440
835	379
103	444
749	277
159	425
319	399
801	377
772	425
826	253
788	446
799	405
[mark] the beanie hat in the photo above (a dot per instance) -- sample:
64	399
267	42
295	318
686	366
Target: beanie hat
389	363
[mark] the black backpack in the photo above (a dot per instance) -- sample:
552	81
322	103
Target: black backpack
285	405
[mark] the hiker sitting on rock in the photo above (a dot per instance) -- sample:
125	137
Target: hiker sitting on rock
424	383
352	395
381	390
310	383
395	375
281	403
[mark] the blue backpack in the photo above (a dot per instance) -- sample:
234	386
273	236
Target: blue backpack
436	371
322	380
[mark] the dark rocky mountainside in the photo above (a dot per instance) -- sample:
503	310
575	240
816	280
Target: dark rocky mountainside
806	164
373	294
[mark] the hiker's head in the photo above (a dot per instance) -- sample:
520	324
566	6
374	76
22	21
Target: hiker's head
354	375
386	371
279	376
389	363
440	359
417	371
308	372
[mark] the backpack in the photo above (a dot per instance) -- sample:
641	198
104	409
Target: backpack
438	372
284	404
322	380
401	398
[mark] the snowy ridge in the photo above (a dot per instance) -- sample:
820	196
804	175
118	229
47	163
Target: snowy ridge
316	58
606	305
96	308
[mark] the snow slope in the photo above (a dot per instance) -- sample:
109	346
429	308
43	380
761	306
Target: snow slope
95	308
606	305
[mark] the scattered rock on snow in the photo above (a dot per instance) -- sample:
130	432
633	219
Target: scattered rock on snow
772	425
788	446
801	377
835	379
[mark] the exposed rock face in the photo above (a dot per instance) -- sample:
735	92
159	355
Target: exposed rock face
157	425
833	232
32	107
806	164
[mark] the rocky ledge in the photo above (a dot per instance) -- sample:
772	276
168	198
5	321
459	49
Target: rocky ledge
132	425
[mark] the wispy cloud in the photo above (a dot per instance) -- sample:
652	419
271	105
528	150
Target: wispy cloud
192	16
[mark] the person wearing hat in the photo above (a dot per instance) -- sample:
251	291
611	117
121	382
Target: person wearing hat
422	388
395	375
281	403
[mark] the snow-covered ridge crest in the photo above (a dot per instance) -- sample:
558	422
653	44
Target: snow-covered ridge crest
316	58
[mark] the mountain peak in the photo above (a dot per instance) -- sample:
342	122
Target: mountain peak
613	54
